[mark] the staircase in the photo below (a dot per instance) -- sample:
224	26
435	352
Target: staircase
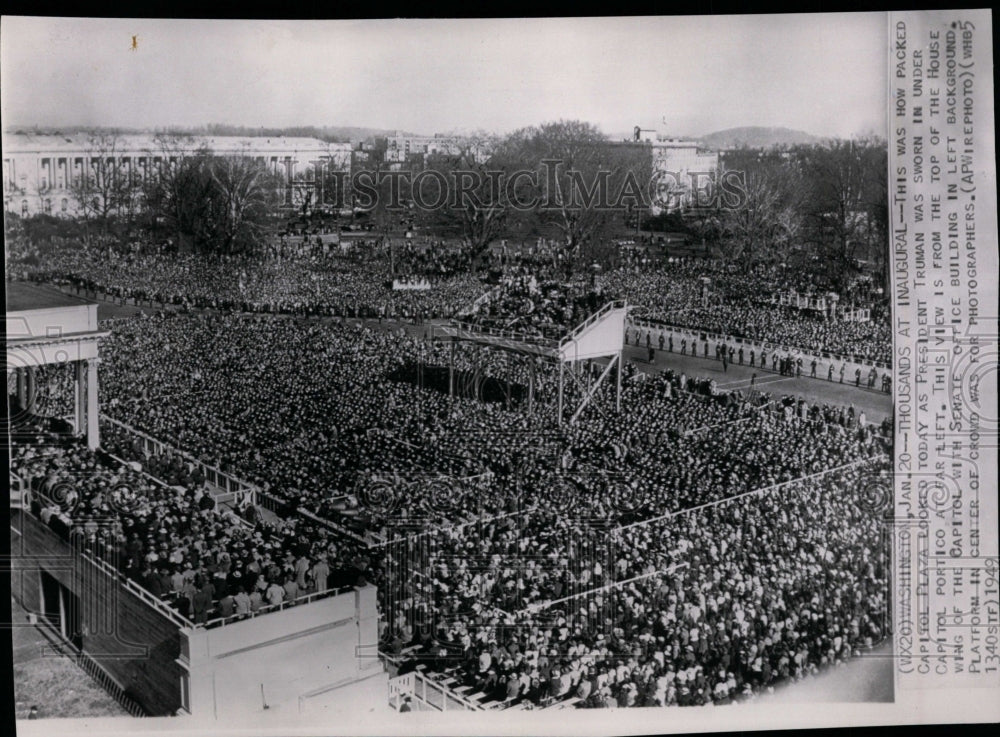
577	332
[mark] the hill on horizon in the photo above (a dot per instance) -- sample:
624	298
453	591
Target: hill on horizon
757	137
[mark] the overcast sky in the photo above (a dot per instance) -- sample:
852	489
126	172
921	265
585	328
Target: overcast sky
824	74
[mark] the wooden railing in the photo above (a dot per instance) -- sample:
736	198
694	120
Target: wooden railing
233	489
367	539
429	692
16	491
272	503
520	337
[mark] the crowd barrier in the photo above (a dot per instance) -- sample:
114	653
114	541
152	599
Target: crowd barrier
401	285
183	303
861	314
232	490
822	303
802	301
636	330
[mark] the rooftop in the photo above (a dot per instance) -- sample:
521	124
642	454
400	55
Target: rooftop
21	297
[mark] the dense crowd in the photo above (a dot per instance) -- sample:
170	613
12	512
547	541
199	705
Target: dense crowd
522	305
205	561
356	284
540	292
431	258
708	606
318	413
350	404
701	295
699	546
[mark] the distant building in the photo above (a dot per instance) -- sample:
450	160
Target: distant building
400	147
415	150
682	169
737	156
690	171
39	171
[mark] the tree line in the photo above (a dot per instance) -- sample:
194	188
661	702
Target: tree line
823	202
826	201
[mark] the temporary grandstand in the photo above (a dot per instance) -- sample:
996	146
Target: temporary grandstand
600	336
298	656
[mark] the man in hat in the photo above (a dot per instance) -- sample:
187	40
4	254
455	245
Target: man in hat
227	605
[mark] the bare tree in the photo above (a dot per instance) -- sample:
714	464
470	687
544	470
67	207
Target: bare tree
178	190
103	190
245	194
584	179
209	202
762	220
474	172
837	209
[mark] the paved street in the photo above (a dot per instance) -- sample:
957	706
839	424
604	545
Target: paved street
876	405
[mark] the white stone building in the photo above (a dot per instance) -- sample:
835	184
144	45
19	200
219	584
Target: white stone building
39	171
687	169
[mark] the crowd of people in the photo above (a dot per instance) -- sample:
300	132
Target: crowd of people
205	561
538	293
697	546
357	284
709	606
524	306
321	414
431	258
702	295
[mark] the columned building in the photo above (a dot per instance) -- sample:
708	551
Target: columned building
45	328
41	172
